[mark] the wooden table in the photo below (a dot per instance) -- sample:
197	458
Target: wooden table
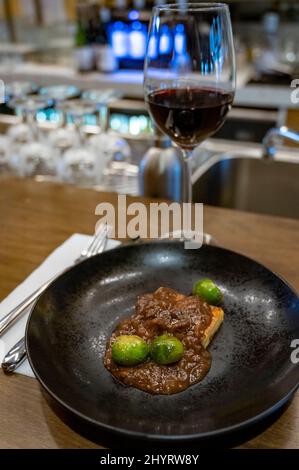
36	217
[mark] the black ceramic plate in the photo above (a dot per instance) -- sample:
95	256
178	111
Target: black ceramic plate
251	374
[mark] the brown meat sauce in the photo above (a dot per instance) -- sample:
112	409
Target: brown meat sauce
165	311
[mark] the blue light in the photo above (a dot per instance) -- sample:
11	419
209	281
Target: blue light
41	116
137	40
152	47
119	39
133	15
137	26
180	39
119	25
165	44
90	120
180	28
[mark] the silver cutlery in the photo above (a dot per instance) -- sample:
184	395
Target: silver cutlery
15	357
18	353
96	246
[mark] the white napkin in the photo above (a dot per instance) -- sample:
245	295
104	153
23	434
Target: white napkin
58	260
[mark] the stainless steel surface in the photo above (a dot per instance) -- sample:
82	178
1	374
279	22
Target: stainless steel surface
271	137
14	357
161	174
97	246
249	184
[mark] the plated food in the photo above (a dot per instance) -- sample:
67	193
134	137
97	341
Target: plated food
162	348
251	374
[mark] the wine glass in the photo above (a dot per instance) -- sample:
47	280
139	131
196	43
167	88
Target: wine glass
5	150
59	93
35	158
102	98
189	88
79	164
28	106
17	89
61	137
115	151
19	133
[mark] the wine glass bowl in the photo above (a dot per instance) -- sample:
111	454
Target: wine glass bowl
189	115
28	106
102	99
5	149
189	86
31	103
60	93
78	108
34	158
79	164
17	89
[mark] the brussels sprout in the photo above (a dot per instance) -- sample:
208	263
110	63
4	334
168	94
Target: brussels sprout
166	349
208	291
129	350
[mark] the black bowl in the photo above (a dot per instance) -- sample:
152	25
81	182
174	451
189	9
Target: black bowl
252	374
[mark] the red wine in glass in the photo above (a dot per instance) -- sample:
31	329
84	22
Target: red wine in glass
190	90
189	115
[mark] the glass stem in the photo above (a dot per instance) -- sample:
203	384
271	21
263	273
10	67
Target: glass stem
187	193
103	117
79	122
187	178
62	114
30	120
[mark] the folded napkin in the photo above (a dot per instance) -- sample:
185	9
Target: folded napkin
60	259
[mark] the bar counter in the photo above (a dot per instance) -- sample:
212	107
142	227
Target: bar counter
36	217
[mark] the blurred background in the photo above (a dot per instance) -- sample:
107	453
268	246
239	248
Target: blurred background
73	105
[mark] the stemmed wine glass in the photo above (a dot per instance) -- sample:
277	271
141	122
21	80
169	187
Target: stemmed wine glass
112	148
79	164
17	89
61	136
33	158
102	98
19	133
189	88
59	93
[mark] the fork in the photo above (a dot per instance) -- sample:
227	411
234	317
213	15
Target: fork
17	354
96	246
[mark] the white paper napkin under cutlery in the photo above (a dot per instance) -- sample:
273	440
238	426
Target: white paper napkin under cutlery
58	260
